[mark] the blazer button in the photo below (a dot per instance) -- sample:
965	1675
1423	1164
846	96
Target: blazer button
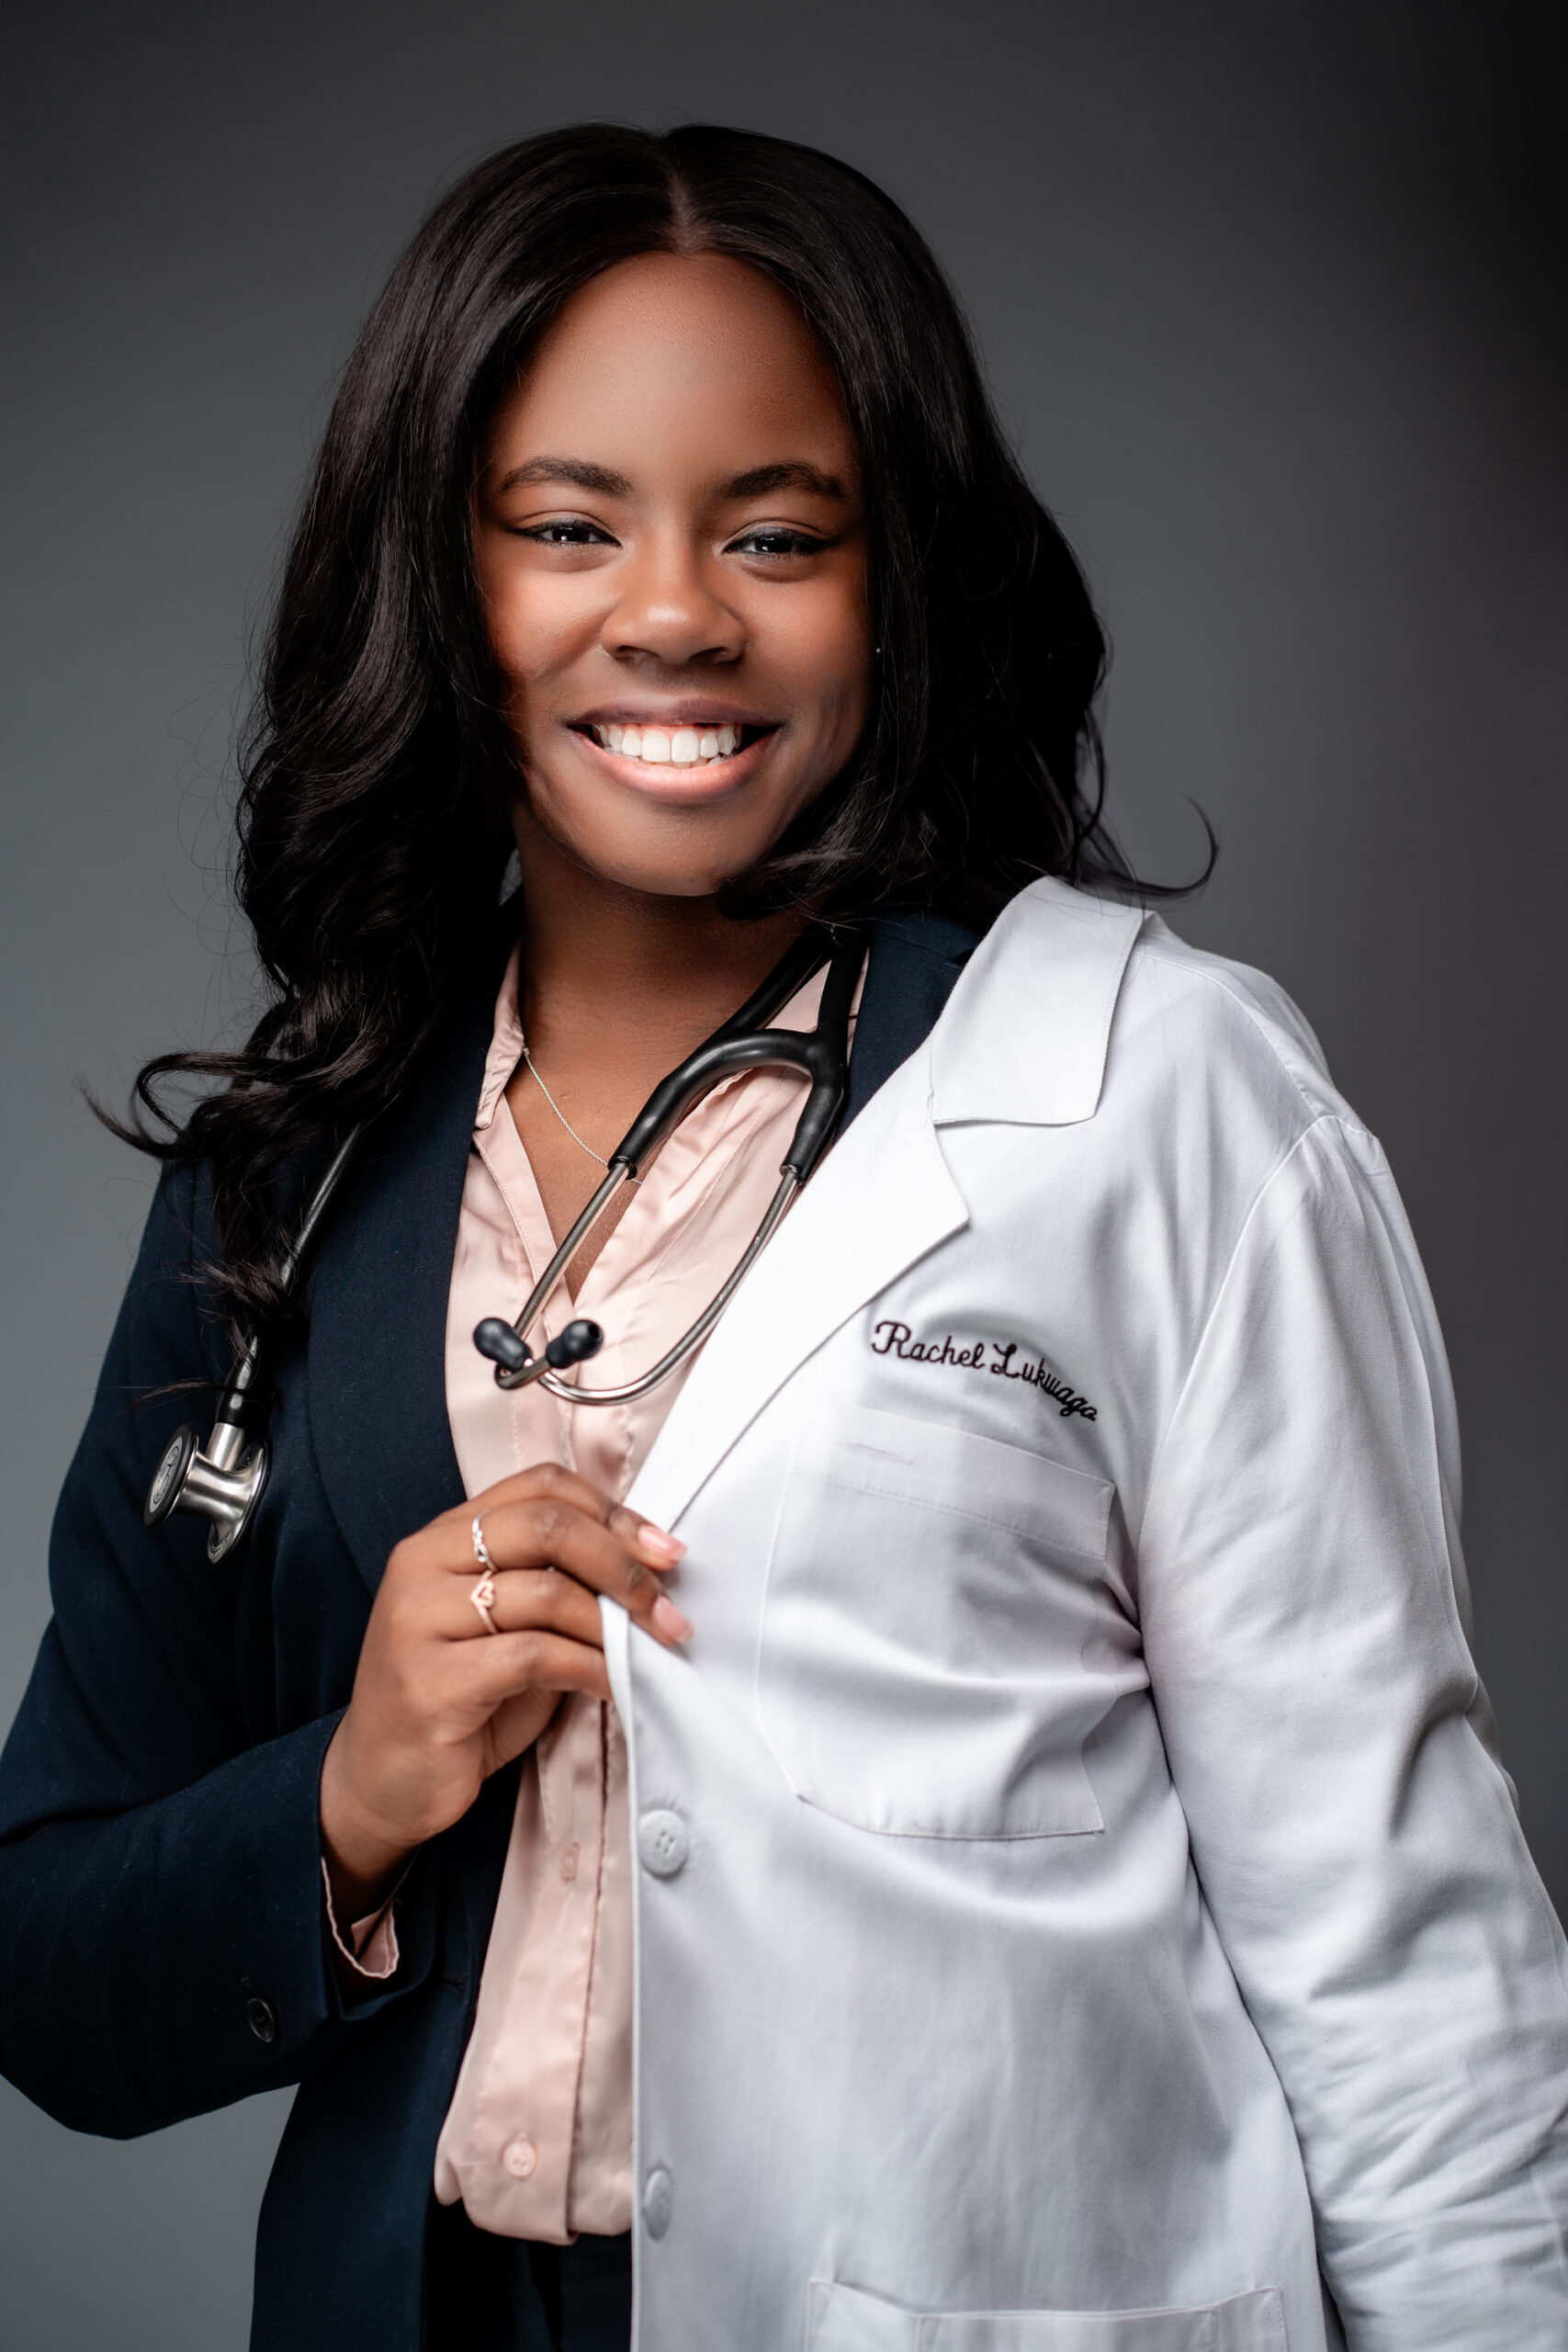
662	1843
262	2018
657	2198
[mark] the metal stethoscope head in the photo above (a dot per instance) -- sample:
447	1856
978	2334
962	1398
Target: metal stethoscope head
745	1041
224	1479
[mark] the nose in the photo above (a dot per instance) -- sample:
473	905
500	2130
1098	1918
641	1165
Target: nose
670	610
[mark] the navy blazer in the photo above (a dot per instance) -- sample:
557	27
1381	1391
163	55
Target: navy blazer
166	1948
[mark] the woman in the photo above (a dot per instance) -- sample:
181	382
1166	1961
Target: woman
1038	1807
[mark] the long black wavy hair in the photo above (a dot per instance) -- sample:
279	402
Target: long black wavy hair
377	772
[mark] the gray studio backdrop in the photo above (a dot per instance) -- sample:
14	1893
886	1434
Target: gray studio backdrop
1267	299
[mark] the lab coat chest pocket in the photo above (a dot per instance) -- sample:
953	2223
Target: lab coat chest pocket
928	1598
842	2319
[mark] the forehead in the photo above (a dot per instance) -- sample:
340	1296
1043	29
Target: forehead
679	349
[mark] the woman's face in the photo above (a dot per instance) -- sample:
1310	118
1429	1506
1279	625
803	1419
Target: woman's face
672	547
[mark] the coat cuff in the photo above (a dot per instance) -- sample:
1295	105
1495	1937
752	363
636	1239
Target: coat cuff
370	1946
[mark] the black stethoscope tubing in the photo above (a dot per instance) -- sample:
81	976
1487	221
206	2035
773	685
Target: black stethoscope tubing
744	1043
224	1480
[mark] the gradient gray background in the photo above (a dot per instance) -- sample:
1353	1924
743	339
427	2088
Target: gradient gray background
1269	300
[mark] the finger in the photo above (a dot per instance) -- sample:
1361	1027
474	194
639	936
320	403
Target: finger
544	1599
655	1544
545	1482
553	1534
448	1542
551	1481
507	1665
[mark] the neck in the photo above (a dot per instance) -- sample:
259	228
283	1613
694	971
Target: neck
643	978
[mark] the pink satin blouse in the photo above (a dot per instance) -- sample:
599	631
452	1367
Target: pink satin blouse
538	2141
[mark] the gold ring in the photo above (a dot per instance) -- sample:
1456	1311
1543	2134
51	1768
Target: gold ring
483	1593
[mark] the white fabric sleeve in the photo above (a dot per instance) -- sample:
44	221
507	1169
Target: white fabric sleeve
1304	1620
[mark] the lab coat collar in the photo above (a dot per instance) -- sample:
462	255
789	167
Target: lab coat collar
881	1199
1022	1040
1025	1037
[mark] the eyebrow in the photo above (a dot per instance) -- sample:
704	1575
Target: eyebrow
789	473
792	473
579	471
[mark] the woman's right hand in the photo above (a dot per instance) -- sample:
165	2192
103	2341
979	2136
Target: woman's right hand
439	1701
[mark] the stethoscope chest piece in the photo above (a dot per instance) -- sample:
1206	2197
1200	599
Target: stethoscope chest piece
222	1482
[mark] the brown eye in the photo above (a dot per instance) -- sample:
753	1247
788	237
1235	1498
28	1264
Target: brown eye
565	535
777	543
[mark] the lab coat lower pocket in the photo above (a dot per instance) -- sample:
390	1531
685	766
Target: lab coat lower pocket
930	1597
844	2320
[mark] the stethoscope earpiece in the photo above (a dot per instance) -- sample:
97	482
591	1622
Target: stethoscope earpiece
513	1355
574	1345
500	1343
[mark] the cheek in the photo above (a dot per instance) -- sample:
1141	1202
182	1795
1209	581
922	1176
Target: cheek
537	626
829	652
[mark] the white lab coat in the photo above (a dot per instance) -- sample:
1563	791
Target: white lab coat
1078	1891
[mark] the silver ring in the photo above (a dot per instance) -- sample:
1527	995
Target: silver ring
483	1593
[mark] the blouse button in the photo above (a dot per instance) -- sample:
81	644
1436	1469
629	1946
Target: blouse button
520	2158
569	1861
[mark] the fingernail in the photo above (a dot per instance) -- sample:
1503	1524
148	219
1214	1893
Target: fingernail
657	1544
668	1620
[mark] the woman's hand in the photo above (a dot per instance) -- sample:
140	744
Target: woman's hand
440	1702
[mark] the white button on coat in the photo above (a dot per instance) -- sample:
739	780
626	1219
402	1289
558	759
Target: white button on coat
662	1842
658	2200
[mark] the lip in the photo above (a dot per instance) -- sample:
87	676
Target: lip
688	788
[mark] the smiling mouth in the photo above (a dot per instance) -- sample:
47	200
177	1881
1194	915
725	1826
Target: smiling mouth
678	747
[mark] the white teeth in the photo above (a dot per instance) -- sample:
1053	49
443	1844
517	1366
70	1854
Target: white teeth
681	747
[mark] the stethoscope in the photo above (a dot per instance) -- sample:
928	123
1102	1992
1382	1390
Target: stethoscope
224	1480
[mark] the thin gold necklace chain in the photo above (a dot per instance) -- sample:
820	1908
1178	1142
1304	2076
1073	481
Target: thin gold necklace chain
596	1156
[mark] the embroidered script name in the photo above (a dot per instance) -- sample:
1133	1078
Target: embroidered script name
891	1338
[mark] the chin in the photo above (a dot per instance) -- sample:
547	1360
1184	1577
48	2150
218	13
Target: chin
663	884
687	869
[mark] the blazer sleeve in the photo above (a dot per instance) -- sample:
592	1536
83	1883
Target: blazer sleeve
1356	1840
160	1882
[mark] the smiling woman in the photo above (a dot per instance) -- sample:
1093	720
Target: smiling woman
679	610
1025	1867
708	525
380	800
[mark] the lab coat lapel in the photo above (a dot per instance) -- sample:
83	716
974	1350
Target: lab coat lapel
1024	1040
378	1307
881	1199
